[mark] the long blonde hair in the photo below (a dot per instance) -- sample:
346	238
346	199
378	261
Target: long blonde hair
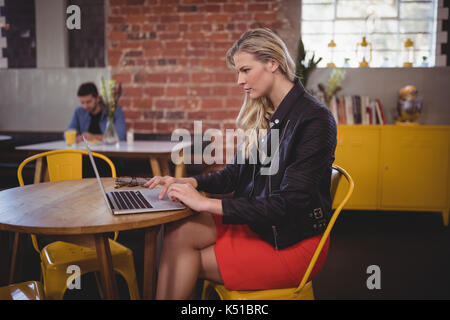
255	114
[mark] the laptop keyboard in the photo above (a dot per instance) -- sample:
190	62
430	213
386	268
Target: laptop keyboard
130	200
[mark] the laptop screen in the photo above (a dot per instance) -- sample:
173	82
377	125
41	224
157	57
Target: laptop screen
96	174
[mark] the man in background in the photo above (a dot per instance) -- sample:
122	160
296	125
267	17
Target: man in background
90	118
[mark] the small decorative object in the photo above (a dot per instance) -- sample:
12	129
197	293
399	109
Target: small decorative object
409	105
424	62
364	52
110	94
333	84
346	62
331	49
304	68
408	53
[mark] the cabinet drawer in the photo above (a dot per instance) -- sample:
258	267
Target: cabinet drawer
357	152
414	167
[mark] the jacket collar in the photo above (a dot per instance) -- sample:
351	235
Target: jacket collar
288	102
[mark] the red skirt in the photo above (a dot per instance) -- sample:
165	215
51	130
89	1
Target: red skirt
248	263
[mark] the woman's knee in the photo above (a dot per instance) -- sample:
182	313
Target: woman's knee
196	231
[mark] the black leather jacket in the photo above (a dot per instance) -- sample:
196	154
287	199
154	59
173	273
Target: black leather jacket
293	203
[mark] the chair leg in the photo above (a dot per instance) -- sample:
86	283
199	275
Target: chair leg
208	292
130	278
53	288
445	217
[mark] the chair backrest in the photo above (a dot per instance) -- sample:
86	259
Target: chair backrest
64	164
337	174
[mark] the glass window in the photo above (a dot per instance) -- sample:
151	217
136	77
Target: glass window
386	24
18	34
87	45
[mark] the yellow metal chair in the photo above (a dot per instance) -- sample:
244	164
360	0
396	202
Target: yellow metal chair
31	290
305	290
66	164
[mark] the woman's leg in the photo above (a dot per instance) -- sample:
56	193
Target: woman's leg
183	256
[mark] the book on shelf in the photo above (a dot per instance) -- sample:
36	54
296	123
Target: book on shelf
356	109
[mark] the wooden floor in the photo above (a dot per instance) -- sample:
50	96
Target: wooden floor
412	251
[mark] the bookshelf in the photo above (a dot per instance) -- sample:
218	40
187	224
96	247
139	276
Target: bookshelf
404	168
356	109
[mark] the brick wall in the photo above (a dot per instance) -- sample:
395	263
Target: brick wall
170	57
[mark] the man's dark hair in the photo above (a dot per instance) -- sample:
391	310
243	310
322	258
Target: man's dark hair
87	88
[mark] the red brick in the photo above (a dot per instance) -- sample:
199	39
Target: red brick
122	77
190	18
199	91
176	91
117	36
165	127
143	103
164	103
188	104
174	115
209	8
154	91
132	92
222	115
150	114
225	77
251	7
197	115
212	103
265	17
143	126
233	103
217	18
202	77
132	114
178	77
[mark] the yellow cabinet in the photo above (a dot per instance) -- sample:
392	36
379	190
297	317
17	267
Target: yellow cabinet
357	151
396	167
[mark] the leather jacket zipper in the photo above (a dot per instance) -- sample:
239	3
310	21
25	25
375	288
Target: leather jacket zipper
275	234
274	228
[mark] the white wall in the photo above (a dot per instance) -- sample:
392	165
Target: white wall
42	99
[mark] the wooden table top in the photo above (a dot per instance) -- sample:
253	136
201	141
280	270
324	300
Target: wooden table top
71	207
137	148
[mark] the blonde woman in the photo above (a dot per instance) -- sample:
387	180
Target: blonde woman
263	237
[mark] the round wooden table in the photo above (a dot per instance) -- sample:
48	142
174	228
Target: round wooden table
77	207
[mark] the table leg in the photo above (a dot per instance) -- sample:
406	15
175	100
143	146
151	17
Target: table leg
106	266
165	167
156	169
149	286
38	171
4	257
180	170
18	251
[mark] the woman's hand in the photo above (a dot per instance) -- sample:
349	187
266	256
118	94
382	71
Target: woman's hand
167	181
187	194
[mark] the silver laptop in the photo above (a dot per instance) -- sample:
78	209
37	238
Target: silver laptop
134	201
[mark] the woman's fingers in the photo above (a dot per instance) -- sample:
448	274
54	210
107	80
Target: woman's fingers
149	182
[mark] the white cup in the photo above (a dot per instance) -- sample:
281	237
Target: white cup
130	136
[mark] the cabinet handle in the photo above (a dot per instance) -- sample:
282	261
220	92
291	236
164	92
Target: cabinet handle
386	168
